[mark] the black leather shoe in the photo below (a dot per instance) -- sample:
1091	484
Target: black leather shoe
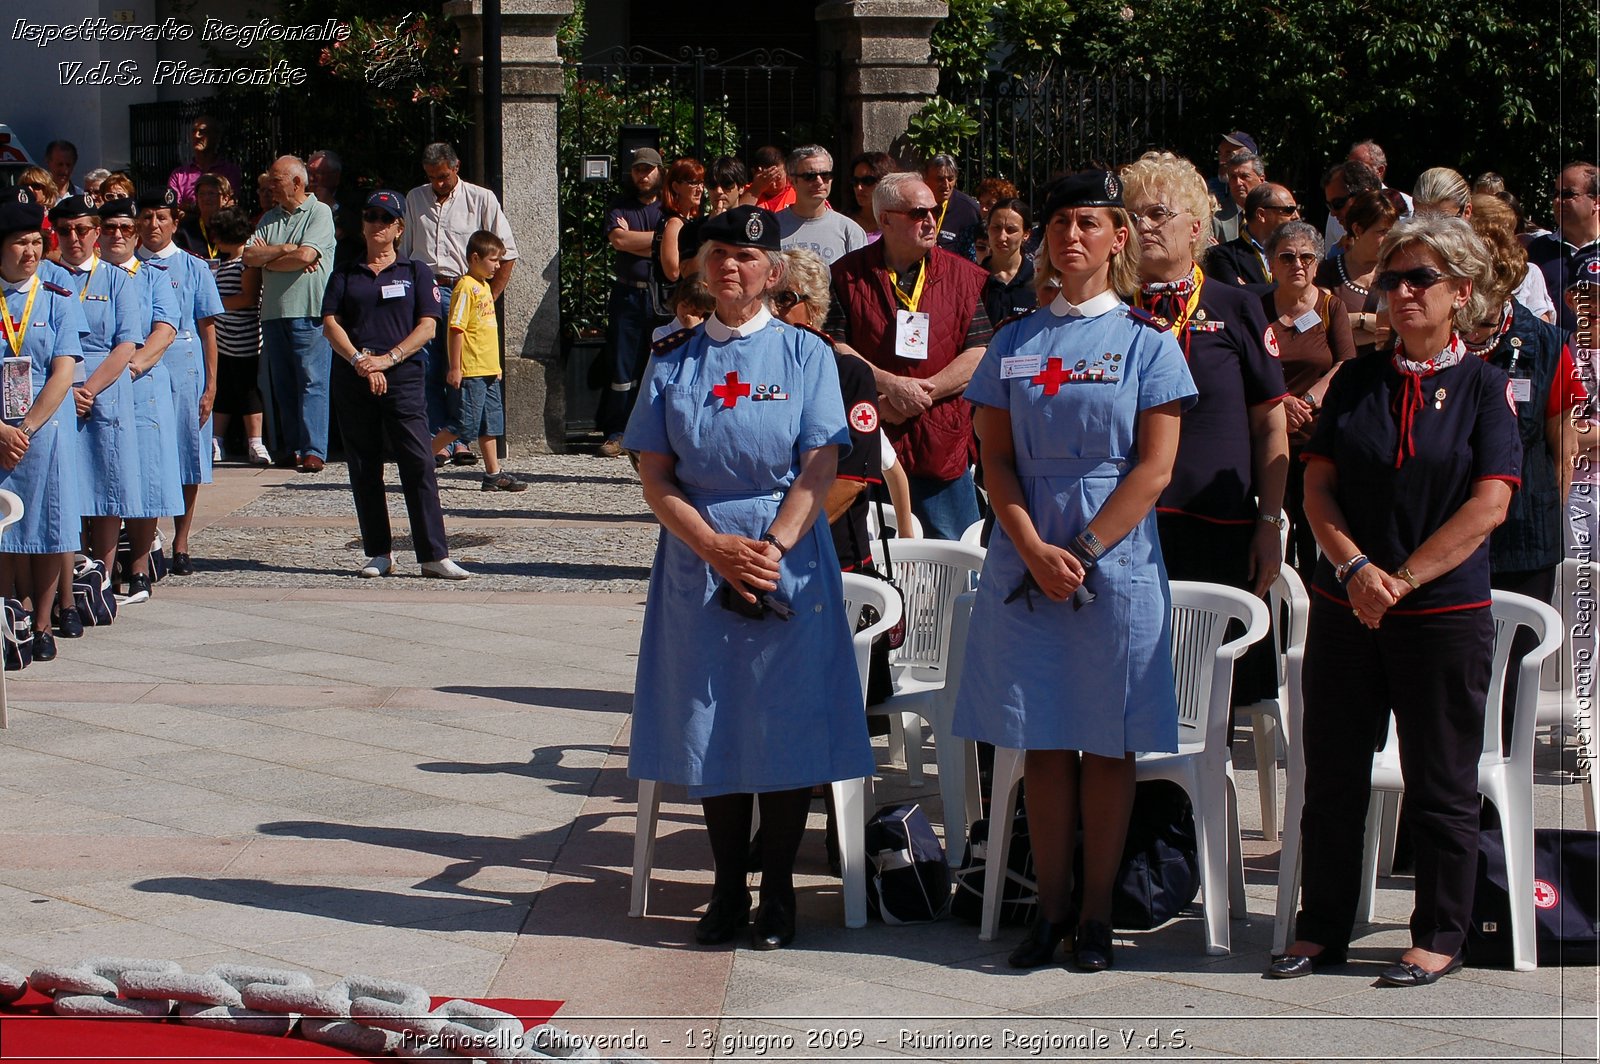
726	916
1040	945
1294	965
1400	973
44	646
181	565
68	624
774	924
1094	947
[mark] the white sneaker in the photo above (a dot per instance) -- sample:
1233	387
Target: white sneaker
216	449
444	569
382	565
259	456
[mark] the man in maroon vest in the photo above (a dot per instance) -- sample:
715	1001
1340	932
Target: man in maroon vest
915	313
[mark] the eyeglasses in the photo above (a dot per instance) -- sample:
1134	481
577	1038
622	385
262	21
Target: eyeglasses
1155	216
1292	208
865	181
1337	203
691	184
1418	279
1289	258
916	214
117	227
377	217
814	175
787	299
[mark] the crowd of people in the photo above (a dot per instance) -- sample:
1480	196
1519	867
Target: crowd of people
1160	376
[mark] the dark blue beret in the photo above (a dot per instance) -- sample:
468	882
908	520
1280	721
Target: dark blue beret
743	227
1091	188
18	212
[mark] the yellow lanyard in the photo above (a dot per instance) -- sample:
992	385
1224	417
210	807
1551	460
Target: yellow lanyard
89	279
14	333
910	302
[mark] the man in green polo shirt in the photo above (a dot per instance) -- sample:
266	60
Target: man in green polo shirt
293	246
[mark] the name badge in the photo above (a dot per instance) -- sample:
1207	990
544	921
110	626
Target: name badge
1019	366
911	334
1307	321
397	290
1522	389
16	387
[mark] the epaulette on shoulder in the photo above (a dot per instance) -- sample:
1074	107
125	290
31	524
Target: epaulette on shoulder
819	334
157	264
1144	317
57	289
667	343
1018	316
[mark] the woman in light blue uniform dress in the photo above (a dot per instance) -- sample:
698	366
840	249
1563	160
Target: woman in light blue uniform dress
108	439
1068	658
192	358
738	424
42	330
155	425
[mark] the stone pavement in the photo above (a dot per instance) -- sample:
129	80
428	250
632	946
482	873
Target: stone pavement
274	762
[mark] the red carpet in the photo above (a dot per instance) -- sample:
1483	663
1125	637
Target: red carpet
31	1034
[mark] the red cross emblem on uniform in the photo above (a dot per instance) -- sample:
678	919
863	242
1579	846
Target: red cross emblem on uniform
1051	376
731	391
1545	895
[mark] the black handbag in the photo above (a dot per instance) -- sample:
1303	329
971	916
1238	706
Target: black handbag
909	876
1018	901
91	592
18	635
1566	899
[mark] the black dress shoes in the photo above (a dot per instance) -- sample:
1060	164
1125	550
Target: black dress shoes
1294	965
1040	945
181	565
725	918
68	624
44	645
774	924
1400	973
1094	947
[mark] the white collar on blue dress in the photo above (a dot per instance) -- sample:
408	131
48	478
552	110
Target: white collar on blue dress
1092	307
723	333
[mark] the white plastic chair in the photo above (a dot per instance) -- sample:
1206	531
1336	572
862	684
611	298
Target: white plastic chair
1287	600
1203	668
900	752
849	796
10	513
1558	694
973	535
931	573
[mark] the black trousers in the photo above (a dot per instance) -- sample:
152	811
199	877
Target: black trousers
1433	671
399	418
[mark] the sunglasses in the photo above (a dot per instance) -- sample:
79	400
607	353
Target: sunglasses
1292	208
1337	203
787	298
916	214
77	232
865	182
1419	279
117	227
1289	258
814	175
377	217
722	186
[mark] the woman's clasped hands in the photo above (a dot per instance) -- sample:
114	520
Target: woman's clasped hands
744	563
1373	592
1057	571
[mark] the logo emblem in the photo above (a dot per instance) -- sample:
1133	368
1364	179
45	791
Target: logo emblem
1592	266
754	227
1511	397
864	417
1113	187
1271	340
1545	895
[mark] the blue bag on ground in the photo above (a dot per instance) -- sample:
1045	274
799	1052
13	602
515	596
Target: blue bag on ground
92	594
1566	899
908	879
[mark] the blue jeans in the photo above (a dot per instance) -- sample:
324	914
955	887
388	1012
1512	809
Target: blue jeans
628	324
298	360
945	507
436	363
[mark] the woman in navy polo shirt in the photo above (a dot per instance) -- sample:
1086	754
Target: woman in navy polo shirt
1411	467
378	312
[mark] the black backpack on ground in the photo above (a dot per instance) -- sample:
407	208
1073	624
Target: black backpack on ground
18	636
908	877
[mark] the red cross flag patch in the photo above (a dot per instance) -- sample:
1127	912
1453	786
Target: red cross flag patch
1545	895
1271	339
864	417
1511	397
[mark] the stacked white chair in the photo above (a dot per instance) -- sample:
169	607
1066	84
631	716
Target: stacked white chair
1287	600
1560	708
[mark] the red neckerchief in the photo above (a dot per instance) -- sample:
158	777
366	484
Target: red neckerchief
1173	302
1410	400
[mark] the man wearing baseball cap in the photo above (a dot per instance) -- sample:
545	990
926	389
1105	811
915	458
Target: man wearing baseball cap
630	227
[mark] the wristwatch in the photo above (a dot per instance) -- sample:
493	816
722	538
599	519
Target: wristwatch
1278	521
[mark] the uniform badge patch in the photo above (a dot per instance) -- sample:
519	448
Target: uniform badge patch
1511	397
754	227
864	417
1272	342
1545	894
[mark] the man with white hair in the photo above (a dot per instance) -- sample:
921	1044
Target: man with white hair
293	247
809	222
1370	153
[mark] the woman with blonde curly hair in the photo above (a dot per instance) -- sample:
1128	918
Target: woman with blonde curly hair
1220	517
1411	467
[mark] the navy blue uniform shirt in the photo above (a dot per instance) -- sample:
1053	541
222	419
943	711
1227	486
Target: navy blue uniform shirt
378	311
1466	435
863	463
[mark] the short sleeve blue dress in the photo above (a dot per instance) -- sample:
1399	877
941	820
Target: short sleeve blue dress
1099	680
724	704
108	439
155	424
197	299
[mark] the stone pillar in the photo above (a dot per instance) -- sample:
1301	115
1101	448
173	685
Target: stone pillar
885	71
530	92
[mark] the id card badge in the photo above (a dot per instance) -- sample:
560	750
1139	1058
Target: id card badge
16	387
1307	321
396	290
911	334
1019	366
1522	389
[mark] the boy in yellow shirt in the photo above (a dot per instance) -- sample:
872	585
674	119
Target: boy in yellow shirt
474	405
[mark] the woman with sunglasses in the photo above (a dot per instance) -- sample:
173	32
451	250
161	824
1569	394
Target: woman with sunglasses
1349	275
677	238
1312	332
1412	466
866	170
379	311
1078	408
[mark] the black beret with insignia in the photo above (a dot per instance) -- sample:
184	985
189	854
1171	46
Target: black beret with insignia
19	213
118	208
1092	188
743	227
72	207
157	199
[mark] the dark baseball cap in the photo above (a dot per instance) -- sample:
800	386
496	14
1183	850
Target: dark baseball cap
644	155
1585	267
1240	139
388	201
